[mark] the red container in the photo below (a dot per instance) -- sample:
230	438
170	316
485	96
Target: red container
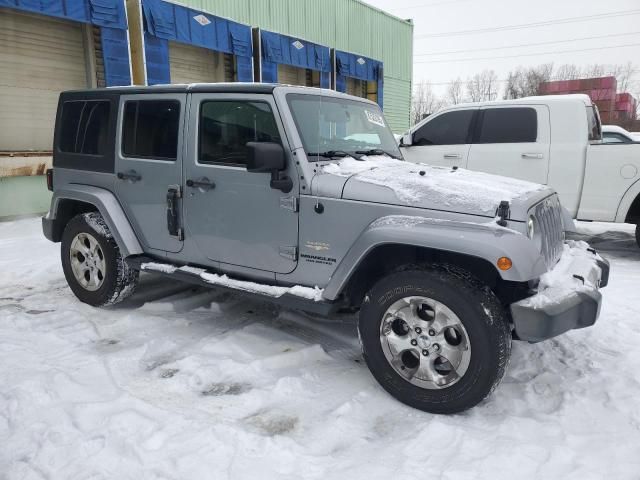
608	82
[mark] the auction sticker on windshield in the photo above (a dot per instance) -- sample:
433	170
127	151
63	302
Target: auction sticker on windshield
374	117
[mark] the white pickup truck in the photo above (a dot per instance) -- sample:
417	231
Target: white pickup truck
554	140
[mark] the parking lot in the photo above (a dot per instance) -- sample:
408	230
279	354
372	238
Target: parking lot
181	382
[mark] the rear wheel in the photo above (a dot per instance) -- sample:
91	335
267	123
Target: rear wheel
435	339
93	266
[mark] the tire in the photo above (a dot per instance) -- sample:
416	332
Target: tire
479	349
101	276
638	234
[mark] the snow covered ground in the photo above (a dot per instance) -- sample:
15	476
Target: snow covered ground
187	383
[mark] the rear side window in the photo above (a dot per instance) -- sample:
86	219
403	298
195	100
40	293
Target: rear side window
593	119
84	127
150	129
508	125
451	128
226	127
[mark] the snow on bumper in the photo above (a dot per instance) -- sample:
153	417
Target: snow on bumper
567	297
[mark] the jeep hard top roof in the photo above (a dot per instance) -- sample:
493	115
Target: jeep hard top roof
229	87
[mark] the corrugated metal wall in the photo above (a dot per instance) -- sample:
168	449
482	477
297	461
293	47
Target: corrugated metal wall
348	25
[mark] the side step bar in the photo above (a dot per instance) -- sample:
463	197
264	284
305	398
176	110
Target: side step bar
194	275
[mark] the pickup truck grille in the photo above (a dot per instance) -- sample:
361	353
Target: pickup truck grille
548	215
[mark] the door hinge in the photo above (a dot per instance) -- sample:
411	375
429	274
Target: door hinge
289	203
290	252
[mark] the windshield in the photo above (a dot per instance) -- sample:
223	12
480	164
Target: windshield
336	127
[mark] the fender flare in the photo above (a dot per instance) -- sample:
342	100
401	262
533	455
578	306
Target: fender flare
485	241
627	199
108	206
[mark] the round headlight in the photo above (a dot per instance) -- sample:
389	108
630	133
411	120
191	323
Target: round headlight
531	227
533	232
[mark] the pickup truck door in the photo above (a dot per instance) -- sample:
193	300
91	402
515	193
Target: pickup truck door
611	168
148	163
233	216
442	139
512	140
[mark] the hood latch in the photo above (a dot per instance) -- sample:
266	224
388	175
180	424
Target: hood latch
503	213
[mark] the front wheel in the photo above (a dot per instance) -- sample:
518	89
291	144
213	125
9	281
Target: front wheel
435	339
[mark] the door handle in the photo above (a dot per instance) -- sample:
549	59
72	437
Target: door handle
532	155
202	183
131	175
453	156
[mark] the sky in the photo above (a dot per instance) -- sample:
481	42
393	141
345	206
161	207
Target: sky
506	49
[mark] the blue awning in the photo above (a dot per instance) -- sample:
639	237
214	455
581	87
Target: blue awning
287	50
357	66
109	15
182	24
103	13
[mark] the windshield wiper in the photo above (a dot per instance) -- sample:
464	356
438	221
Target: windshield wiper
377	151
335	154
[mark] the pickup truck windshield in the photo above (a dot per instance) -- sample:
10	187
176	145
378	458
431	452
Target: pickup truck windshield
336	127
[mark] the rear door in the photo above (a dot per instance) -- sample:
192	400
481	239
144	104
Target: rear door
149	165
443	139
512	141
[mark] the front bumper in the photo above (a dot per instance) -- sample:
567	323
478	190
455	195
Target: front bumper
567	298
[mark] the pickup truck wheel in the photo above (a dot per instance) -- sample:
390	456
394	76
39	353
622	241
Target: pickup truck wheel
435	339
92	264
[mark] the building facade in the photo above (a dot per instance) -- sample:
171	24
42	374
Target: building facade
48	47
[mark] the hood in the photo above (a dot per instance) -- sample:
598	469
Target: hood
385	180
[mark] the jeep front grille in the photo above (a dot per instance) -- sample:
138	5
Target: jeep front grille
548	215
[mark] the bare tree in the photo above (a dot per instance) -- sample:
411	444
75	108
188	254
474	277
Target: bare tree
525	82
424	102
483	86
455	93
625	76
568	71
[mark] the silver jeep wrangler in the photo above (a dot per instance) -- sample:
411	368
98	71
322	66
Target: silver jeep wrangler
300	196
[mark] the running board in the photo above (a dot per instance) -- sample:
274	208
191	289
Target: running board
306	299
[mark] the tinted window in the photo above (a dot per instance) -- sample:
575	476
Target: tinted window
227	126
609	137
508	125
451	128
150	129
84	127
593	120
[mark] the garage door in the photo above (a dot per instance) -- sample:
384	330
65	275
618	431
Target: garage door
291	75
191	64
39	57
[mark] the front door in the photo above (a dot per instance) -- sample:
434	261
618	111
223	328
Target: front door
234	216
512	141
149	166
442	139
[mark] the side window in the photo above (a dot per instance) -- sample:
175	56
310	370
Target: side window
508	125
610	137
451	128
226	127
593	124
150	129
85	126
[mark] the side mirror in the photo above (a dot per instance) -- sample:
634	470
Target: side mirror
265	157
407	140
269	157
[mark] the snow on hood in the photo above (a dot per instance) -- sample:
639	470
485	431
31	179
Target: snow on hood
427	186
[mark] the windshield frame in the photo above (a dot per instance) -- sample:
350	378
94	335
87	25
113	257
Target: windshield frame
312	153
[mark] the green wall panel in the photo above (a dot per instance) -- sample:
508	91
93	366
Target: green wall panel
23	195
348	25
